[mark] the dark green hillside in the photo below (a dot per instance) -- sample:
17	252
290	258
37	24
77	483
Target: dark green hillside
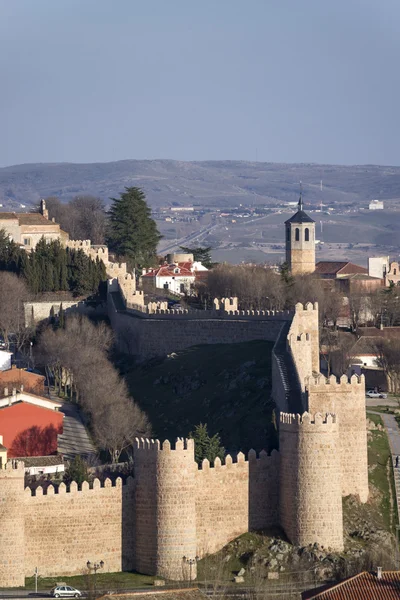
226	386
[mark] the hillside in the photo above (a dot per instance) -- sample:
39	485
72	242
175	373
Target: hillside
207	183
226	386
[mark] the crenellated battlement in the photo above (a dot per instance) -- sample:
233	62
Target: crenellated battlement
73	487
13	466
154	445
113	266
308	421
78	244
321	383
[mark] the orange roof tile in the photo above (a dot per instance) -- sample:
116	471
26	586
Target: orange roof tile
364	586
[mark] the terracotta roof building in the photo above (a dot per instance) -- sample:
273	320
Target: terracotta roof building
334	269
27	229
30	424
177	277
384	585
17	378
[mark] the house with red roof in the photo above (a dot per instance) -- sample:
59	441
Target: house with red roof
30	424
380	585
176	277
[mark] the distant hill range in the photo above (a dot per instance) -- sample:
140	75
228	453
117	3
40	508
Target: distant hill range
208	183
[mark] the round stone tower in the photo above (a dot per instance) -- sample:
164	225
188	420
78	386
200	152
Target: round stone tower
165	508
12	526
310	480
300	242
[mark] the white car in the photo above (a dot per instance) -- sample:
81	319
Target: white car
373	394
65	591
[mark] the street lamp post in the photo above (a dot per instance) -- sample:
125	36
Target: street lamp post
94	567
190	562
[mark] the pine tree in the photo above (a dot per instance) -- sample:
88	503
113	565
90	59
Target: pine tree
133	234
203	255
206	446
52	316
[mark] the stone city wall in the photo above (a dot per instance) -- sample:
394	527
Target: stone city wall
12	524
165	507
159	334
35	312
305	321
310	480
65	530
235	497
93	252
147	338
345	398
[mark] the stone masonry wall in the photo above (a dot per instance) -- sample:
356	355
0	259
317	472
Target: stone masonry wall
165	507
65	530
12	535
233	498
310	480
305	321
345	398
150	337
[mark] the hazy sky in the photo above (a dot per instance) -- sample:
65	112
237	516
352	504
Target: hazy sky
273	80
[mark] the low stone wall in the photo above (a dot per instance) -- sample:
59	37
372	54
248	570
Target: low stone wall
35	312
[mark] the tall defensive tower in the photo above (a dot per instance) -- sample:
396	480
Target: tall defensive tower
300	242
12	536
165	508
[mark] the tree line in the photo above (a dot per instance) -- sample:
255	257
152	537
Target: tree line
127	227
76	360
52	268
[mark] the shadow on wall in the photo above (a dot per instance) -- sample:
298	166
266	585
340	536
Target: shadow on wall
35	441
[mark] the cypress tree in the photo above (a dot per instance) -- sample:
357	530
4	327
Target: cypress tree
132	233
61	318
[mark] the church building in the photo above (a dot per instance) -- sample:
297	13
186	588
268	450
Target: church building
300	242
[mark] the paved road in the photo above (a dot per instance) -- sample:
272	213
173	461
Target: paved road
393	402
75	439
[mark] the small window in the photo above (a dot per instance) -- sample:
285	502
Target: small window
394	271
27	241
288	234
297	234
306	234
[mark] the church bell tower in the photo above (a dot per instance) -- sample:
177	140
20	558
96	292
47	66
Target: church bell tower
300	242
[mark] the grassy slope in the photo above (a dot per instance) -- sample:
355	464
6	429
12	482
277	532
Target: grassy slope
380	472
227	386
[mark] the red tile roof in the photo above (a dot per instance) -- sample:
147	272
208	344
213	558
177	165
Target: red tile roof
364	586
326	267
168	271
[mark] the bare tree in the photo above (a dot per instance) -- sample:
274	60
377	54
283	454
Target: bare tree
77	358
84	217
388	359
13	293
117	424
257	287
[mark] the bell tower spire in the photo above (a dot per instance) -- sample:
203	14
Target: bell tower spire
300	241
